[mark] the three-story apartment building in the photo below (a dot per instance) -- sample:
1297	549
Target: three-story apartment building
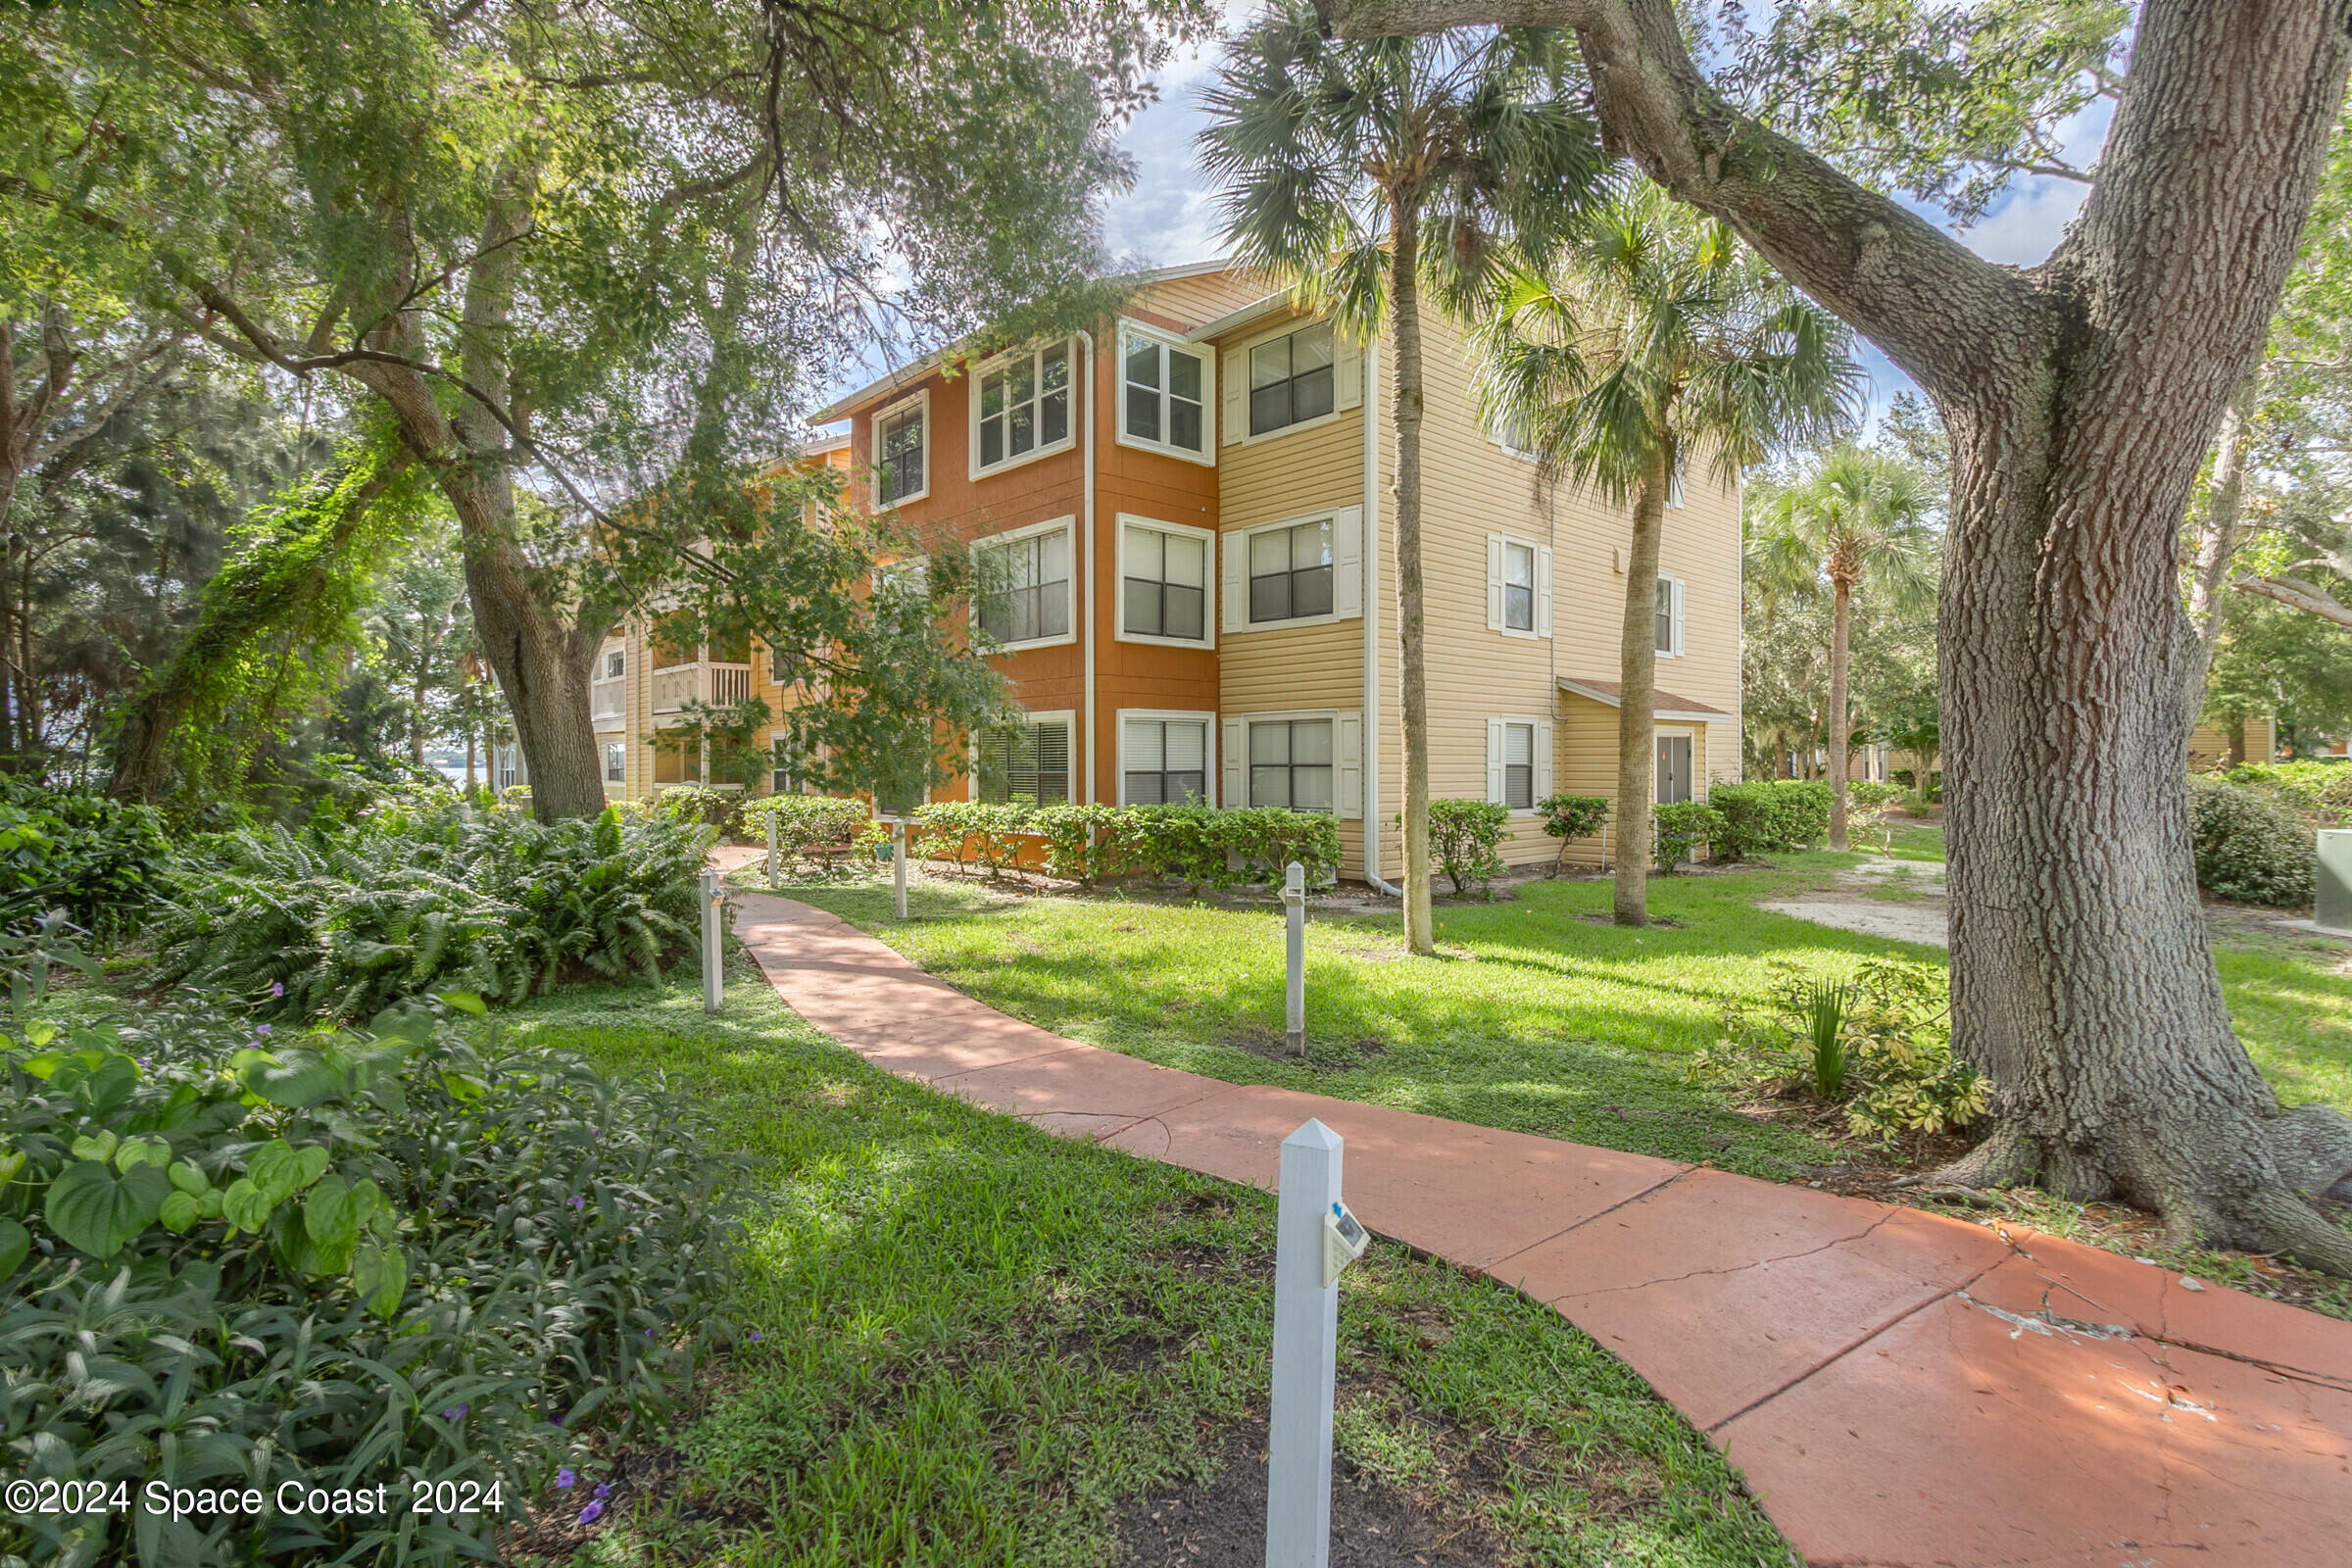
1195	583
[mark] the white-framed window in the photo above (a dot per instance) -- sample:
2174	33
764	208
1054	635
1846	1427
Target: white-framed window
616	762
903	451
1020	407
1293	379
1670	617
1167	399
1311	760
1295	572
783	774
1674	767
1518	587
1028	758
1165	757
1024	586
1673	484
1164	593
617	664
1518	761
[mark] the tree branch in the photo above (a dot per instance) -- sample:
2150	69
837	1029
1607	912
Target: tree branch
2297	595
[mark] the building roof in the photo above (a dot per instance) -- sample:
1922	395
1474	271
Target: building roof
915	369
1669	704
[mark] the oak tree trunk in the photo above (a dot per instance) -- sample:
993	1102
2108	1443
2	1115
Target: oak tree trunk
1420	928
2081	395
1638	699
1841	614
2217	534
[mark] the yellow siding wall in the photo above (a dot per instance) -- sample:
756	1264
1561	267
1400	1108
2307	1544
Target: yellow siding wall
2209	745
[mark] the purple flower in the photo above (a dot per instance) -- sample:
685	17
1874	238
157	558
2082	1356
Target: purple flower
277	988
649	1334
755	1336
566	1476
455	1412
593	1512
579	1203
604	1489
261	1028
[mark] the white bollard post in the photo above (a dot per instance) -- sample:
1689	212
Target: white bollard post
714	923
898	864
1294	1017
771	849
1306	1342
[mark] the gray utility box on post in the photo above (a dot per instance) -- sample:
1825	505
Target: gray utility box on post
2335	911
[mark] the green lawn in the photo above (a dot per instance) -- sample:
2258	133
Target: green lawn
975	1339
1545	1019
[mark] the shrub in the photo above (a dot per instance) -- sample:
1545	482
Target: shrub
1077	839
1194	845
804	825
1463	836
2319	789
339	926
1881	1043
341	1259
2249	848
699	803
1867	807
1769	815
98	859
1575	816
1681	827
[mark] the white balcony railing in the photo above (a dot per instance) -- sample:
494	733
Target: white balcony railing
605	700
716	684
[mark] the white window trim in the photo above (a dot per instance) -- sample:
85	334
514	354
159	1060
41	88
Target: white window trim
1538	757
971	402
607	672
1206	354
1010	536
1541	572
1239	539
873	482
1346	805
1675	610
1066	716
1340	401
623	747
1207	536
1208	722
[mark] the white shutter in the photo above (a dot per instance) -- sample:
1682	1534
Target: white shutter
1209	402
1678	617
1236	743
1347	562
1542	591
1234	583
1494	760
1349	730
1235	406
1347	369
1493	582
1542	761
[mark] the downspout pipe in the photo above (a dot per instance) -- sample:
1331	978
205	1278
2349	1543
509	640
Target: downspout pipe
1093	742
1371	407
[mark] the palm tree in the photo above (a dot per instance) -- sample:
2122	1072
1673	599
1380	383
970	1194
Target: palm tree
1363	171
1862	520
1654	335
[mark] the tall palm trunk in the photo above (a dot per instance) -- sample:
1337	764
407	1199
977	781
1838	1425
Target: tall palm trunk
1637	697
1420	929
1841	614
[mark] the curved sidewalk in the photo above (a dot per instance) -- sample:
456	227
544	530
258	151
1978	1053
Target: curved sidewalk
1899	1388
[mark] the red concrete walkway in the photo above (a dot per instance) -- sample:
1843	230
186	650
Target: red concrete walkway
1899	1388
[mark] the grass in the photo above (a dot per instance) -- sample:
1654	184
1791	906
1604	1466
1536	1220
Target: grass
975	1339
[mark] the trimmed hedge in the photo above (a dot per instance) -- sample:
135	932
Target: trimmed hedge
807	824
1769	816
2249	848
1681	827
1195	844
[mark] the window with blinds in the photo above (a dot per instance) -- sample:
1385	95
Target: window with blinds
1166	761
1025	588
1519	766
1028	759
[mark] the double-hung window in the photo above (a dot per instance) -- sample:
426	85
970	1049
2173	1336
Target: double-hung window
1028	758
1290	571
1025	587
1290	764
902	468
783	778
1165	762
1025	405
1290	379
1518	764
615	663
1164	393
1164	583
1518	586
1670	616
1674	769
617	762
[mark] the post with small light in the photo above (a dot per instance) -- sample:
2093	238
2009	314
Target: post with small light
715	922
1315	1237
1293	913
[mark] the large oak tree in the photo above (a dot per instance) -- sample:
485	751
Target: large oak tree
2082	396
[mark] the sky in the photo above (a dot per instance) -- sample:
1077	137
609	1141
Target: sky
1169	216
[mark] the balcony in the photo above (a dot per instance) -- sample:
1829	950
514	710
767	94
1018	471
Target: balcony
707	681
607	702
